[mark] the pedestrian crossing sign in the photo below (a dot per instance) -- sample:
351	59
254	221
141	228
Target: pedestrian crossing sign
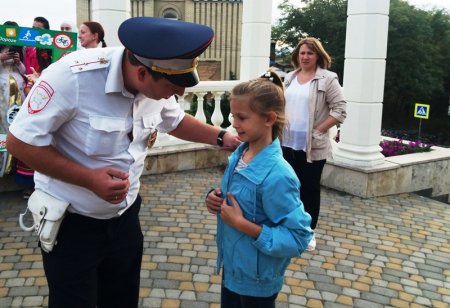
421	111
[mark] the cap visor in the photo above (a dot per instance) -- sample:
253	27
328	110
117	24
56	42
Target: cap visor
184	80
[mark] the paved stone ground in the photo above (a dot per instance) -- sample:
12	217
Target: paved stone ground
382	252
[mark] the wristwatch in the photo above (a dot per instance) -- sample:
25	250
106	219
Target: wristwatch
220	138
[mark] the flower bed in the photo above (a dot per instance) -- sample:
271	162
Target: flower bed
400	147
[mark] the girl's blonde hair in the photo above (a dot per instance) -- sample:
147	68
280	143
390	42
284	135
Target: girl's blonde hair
324	59
266	94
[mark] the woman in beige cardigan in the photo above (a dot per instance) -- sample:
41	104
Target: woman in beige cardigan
314	103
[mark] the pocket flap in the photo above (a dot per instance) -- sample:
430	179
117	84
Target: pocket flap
107	124
41	203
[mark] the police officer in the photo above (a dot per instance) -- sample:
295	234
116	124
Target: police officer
85	128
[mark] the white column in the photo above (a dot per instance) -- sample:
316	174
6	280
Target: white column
364	72
255	43
111	13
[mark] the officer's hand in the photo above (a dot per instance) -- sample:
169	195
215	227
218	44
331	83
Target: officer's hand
230	141
213	201
110	184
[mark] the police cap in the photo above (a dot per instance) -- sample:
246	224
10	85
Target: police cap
167	46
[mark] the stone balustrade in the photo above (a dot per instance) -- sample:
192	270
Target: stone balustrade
212	92
170	154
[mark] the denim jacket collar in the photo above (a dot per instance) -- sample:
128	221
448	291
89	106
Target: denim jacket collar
258	169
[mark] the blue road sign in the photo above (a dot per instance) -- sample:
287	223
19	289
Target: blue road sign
421	111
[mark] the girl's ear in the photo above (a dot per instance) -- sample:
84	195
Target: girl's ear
271	118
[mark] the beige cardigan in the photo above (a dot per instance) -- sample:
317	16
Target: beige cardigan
326	98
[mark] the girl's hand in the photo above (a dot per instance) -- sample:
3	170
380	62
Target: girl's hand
214	201
231	214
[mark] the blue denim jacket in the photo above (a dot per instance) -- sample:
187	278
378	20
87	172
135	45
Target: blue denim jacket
267	191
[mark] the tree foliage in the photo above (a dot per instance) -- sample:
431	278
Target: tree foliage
415	59
323	19
418	52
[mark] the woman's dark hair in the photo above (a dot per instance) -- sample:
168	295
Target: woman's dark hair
96	27
10	23
43	21
13	48
44	56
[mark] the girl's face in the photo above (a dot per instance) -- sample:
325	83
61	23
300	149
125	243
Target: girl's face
307	58
87	38
250	126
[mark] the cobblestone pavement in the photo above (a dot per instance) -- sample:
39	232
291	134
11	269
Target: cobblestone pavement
382	252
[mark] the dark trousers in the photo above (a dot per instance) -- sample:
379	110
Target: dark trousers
230	299
309	175
96	263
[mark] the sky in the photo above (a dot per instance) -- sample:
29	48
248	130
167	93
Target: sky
24	11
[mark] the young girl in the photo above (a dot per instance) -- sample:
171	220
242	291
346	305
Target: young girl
261	220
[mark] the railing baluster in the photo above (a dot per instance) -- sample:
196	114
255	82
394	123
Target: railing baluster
200	114
217	117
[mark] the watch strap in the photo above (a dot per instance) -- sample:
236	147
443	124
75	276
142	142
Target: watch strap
220	138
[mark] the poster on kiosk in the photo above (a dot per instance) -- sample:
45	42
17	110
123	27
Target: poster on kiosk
59	41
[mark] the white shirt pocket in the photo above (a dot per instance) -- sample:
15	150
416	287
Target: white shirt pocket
106	135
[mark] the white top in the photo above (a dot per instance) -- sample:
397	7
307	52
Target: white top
80	106
297	111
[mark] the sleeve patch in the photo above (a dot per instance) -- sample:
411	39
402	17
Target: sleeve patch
40	97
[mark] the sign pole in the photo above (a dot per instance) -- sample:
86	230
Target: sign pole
421	111
420	129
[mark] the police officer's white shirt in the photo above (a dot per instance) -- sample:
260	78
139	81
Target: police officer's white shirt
80	106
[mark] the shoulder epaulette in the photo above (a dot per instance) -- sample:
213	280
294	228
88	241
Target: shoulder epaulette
82	66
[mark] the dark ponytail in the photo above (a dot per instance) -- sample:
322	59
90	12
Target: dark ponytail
96	27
